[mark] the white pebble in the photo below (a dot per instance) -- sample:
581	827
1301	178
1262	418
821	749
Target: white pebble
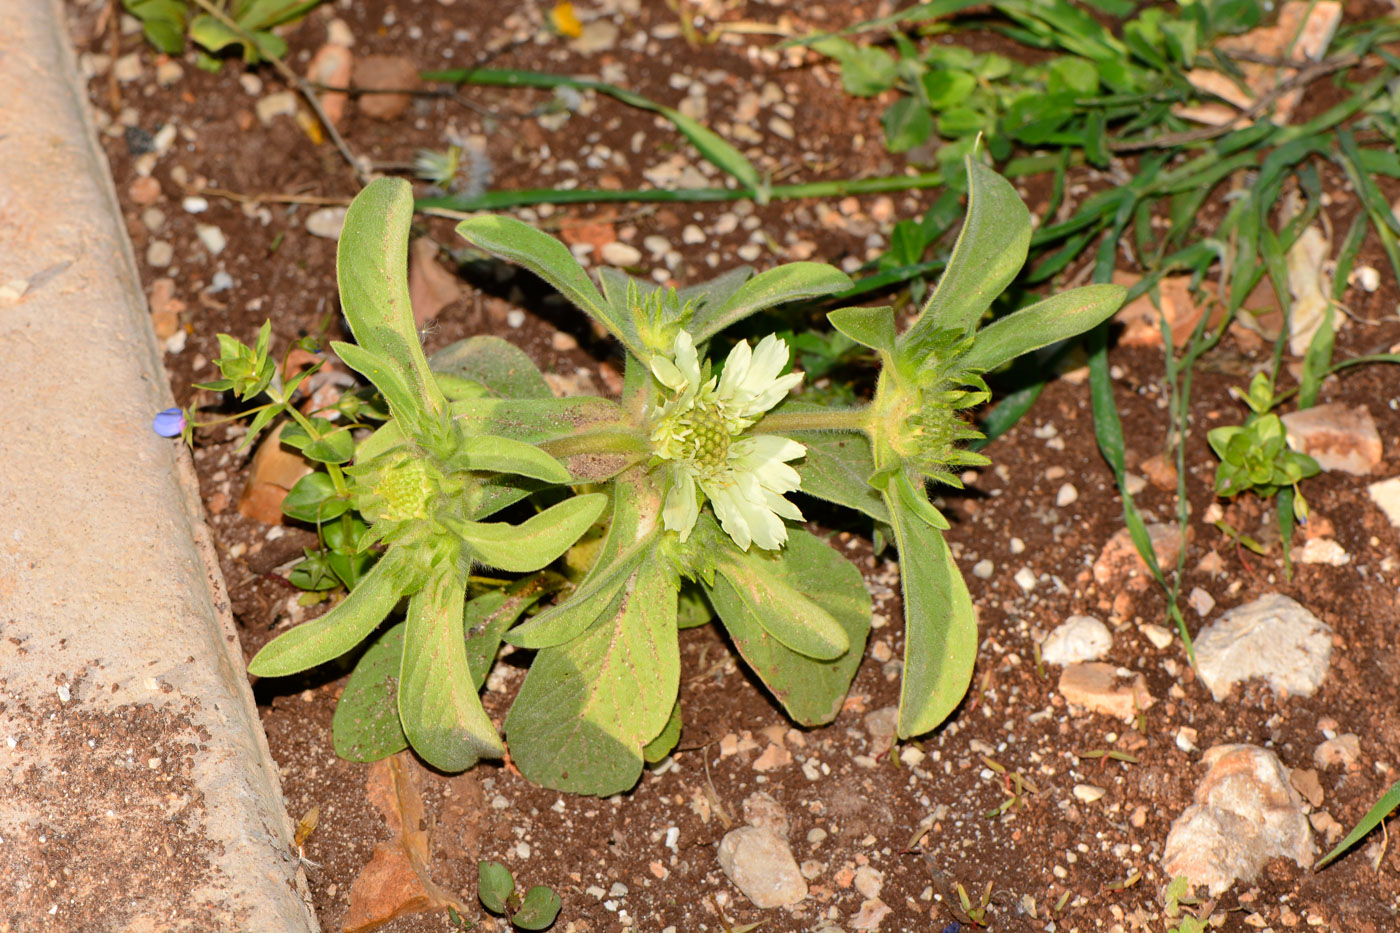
1025	579
515	318
1067	495
1088	793
1017	545
326	222
212	237
195	204
618	253
983	569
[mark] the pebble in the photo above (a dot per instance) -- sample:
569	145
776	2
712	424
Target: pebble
658	246
127	68
781	128
153	219
1078	638
1245	812
761	865
222	282
749	252
1201	601
983	569
144	191
1344	750
168	72
1088	793
279	104
252	85
1119	557
1160	636
869	882
1017	545
326	222
1368	278
618	253
692	235
1274	638
515	318
1386	495
598	36
1025	579
1067	495
332	66
159	254
1322	551
1339	437
383	73
195	205
880	725
871	914
338	33
563	342
212	237
1103	688
773	757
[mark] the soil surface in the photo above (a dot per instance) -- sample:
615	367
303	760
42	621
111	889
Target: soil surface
873	828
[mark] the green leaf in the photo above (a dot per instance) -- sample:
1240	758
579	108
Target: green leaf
989	252
546	423
946	88
498	364
588	708
385	377
212	34
865	72
438	703
1064	315
537	541
331	445
503	455
494	885
339	630
551	260
659	747
754	583
907	123
313	499
371	263
869	327
940	625
794	281
489	616
1373	818
915	502
538	909
811	691
366	725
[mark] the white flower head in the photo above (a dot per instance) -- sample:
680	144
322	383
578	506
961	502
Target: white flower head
700	432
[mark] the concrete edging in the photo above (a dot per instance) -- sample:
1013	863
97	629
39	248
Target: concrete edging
137	788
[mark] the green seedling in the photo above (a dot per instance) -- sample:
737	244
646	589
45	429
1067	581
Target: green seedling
167	24
533	910
684	482
1374	817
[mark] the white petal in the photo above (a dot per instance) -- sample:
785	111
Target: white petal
728	505
767	529
769	358
681	509
768	447
782	506
736	370
667	373
772	394
686	359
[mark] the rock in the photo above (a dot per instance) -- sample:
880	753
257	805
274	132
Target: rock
386	888
1344	750
212	237
1103	688
326	222
880	725
168	72
127	68
144	191
1201	601
1273	638
1078	638
274	471
279	104
618	253
159	254
430	287
1160	472
1244	813
1088	793
1306	783
1140	318
760	864
332	65
385	73
773	757
597	36
1322	551
872	913
1067	495
1338	437
1386	495
1160	636
1120	560
763	811
869	882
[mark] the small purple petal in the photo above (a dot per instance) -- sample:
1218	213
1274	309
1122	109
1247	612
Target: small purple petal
169	423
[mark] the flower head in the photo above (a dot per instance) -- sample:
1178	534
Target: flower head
700	433
169	423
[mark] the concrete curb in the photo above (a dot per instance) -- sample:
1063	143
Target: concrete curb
138	793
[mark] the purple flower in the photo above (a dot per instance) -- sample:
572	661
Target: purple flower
169	423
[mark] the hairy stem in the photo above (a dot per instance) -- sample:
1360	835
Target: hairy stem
853	419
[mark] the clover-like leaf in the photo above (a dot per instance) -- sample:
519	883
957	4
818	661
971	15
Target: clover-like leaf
494	885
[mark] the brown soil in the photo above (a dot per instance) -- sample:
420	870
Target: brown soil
648	858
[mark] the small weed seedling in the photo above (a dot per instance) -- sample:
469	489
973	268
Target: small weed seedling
534	910
669	507
166	24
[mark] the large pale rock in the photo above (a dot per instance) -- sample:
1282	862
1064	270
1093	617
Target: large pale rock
1386	495
1273	638
1103	688
1078	638
760	864
1338	437
1245	812
274	471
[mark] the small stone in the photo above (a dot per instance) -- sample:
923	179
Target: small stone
1201	601
781	128
869	882
1160	636
1103	688
515	319
144	191
1343	751
168	72
563	342
159	254
760	864
872	913
326	222
212	237
1160	472
881	725
983	569
692	235
1088	793
600	35
386	888
430	287
332	66
279	104
338	33
221	282
1186	739
1305	782
1367	278
127	68
1273	638
273	472
773	757
1025	579
1339	437
618	253
195	204
912	756
1322	551
762	810
1119	557
1078	638
385	73
1141	318
1244	814
1067	495
1386	495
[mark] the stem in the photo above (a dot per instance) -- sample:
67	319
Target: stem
333	469
854	419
